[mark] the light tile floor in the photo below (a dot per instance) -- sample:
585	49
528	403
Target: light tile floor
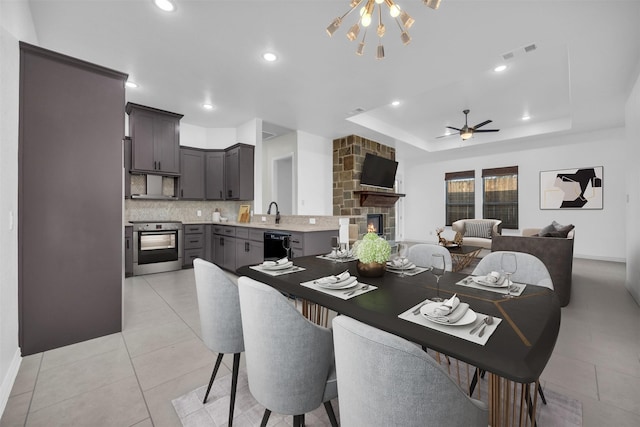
130	378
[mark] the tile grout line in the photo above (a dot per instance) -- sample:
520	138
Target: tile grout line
33	392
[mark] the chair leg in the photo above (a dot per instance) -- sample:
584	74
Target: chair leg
330	413
474	381
213	377
298	421
265	418
544	400
234	385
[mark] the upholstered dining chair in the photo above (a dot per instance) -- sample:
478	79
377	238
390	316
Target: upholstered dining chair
290	362
420	255
220	322
385	380
530	269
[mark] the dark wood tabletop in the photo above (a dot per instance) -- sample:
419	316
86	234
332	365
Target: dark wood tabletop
518	350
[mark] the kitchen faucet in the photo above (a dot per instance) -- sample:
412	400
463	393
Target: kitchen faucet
277	212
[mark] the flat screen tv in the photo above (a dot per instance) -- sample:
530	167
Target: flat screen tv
378	171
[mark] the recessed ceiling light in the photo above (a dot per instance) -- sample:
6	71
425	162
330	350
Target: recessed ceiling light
208	106
131	84
395	103
269	56
500	68
166	5
526	117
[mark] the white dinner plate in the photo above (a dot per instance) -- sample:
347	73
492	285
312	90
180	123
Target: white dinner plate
345	284
278	267
481	280
409	266
469	317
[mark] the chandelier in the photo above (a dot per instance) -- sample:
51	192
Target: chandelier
367	15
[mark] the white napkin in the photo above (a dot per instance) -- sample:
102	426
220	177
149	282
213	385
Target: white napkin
455	315
274	263
448	306
493	277
399	263
333	279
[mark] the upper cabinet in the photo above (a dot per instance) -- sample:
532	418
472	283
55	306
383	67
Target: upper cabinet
155	136
214	175
238	170
192	177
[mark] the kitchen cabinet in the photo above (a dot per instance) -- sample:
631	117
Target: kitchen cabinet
214	175
192	174
238	172
155	136
128	251
311	243
224	246
126	145
194	243
249	246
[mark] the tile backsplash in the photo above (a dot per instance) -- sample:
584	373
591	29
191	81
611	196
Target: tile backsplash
179	210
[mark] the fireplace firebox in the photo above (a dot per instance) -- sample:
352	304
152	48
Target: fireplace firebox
375	224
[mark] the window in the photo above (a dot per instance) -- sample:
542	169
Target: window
500	195
460	190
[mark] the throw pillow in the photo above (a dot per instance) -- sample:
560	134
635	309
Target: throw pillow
546	230
564	231
478	229
551	234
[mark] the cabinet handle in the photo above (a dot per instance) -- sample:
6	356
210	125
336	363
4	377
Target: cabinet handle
230	193
155	165
193	241
127	242
181	193
220	194
222	241
159	165
246	246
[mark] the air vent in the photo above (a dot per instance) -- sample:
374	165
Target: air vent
356	111
507	56
267	135
529	48
519	51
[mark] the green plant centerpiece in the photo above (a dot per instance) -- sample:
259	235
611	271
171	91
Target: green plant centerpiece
372	252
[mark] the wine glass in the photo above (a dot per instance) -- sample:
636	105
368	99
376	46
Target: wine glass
286	244
508	265
402	257
437	269
335	245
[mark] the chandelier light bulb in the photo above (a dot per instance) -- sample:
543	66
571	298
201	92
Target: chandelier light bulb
379	1
366	20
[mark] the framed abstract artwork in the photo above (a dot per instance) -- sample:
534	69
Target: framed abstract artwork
571	188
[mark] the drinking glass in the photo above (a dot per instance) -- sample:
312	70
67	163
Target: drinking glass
335	245
437	269
286	244
509	265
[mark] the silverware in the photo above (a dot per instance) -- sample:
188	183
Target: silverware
487	321
362	288
417	310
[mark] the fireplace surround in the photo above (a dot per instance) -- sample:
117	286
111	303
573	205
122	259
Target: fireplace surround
375	223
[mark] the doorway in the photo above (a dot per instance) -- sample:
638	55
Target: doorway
283	183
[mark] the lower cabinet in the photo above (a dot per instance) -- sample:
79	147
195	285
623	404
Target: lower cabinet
194	243
249	247
223	249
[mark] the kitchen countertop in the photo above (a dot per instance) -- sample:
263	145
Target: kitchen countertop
304	228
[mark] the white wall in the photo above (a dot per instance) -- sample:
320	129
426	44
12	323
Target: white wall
632	151
315	175
600	234
275	148
16	24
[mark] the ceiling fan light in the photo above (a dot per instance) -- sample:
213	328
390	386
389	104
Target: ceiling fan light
353	32
466	135
333	27
380	52
406	19
405	37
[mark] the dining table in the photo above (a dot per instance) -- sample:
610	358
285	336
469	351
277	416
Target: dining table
516	351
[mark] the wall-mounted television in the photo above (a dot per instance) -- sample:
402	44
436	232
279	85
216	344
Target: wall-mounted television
378	171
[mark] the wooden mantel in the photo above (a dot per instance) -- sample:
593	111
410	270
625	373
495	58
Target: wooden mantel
378	198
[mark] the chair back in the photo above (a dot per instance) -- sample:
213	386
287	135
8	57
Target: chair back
384	380
289	359
530	269
219	307
420	255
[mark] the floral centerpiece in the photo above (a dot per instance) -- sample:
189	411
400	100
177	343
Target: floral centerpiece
372	252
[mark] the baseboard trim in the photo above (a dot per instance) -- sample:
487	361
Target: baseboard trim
9	379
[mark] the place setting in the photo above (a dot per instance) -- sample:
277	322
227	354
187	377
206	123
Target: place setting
277	268
499	282
339	253
401	265
453	317
343	285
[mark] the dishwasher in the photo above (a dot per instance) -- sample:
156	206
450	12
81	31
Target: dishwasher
277	245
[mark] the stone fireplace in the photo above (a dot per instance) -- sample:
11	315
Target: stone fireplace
348	155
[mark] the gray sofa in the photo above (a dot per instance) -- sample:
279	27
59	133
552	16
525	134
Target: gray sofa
495	229
555	252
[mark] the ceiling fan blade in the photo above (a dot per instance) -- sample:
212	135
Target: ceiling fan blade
486	122
450	127
487	130
446	135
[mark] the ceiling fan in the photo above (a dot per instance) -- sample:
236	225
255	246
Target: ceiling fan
467	131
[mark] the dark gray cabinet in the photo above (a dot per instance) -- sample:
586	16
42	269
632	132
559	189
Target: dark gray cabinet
192	174
311	243
155	136
127	167
249	246
194	243
238	172
128	251
214	175
224	246
70	175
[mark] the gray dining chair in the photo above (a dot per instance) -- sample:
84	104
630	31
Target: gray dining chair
420	255
530	269
220	322
385	380
290	362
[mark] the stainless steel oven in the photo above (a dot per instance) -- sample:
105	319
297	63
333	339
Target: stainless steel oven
157	246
